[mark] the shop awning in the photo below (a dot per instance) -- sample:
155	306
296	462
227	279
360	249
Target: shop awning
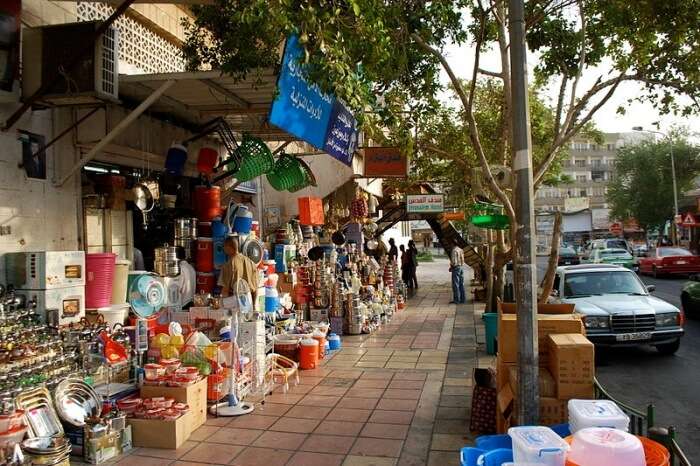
198	97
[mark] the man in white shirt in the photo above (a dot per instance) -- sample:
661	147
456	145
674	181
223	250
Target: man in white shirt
456	263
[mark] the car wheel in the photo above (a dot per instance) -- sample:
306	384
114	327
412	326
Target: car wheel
668	349
687	305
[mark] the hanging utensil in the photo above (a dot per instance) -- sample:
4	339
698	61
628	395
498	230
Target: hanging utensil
144	201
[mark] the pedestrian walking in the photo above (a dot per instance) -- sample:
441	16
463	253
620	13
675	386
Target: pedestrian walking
393	251
413	264
404	265
457	270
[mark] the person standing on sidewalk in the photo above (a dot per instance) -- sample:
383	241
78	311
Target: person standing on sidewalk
413	264
456	267
393	251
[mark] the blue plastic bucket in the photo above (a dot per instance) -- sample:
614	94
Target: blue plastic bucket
491	323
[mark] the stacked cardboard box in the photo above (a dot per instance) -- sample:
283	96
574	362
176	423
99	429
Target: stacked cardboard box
566	358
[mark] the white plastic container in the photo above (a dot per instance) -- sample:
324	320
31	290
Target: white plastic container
119	283
538	445
602	446
596	413
114	314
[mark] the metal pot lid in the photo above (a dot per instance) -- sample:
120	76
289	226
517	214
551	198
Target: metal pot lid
316	253
253	249
76	401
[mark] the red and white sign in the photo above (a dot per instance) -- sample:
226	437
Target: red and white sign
616	228
689	220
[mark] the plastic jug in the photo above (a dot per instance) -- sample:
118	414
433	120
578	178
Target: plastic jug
239	218
219	230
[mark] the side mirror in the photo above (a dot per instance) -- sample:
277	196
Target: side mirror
651	288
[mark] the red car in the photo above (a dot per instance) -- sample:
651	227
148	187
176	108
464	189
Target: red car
669	260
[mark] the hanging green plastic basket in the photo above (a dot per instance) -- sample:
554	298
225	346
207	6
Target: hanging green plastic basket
309	178
286	173
491	222
256	158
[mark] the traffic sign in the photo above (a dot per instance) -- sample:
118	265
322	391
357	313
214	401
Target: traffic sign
689	220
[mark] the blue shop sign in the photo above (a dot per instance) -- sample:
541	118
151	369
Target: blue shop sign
301	108
341	139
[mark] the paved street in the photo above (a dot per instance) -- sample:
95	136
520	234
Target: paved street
671	383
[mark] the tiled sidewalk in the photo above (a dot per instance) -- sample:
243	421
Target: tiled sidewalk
397	397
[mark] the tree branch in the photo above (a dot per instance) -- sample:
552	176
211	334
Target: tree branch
493	74
560	107
467	103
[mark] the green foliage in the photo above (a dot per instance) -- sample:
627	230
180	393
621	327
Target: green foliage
643	188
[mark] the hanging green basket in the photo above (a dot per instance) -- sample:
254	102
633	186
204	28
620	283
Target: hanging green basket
309	178
256	158
286	173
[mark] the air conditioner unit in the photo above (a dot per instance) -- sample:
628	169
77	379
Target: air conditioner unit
49	50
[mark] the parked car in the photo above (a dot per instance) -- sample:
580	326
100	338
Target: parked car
614	256
610	243
617	308
568	256
669	260
640	249
690	297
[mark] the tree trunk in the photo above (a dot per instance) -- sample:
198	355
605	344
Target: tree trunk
489	270
548	281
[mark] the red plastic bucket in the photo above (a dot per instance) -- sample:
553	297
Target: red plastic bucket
205	282
206	160
99	268
207	202
205	255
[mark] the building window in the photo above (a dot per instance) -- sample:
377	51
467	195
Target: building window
597	162
583	193
140	47
580	163
581	178
611	146
598	175
593	146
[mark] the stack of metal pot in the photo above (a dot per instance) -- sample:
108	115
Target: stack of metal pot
165	261
186	236
354	314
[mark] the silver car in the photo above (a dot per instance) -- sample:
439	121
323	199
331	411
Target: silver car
617	308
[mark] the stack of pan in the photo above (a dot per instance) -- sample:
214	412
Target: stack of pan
186	235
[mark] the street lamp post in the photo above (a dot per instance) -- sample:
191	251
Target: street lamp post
673	179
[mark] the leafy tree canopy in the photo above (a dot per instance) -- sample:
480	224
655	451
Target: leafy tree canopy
643	188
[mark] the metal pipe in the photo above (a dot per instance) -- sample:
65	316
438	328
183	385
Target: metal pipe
121	126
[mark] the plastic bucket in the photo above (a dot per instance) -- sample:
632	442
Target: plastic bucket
114	314
308	354
120	281
99	269
334	342
205	282
207	202
205	255
206	160
175	159
243	223
491	323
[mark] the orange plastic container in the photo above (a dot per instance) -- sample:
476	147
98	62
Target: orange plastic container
321	339
310	210
308	354
654	453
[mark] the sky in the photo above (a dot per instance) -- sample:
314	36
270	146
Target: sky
606	119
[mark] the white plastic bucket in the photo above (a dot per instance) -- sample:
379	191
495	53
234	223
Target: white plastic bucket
121	279
114	314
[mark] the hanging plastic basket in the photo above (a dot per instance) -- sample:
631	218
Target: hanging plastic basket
309	178
286	174
256	158
489	216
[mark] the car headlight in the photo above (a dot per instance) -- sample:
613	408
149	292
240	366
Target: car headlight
594	322
668	319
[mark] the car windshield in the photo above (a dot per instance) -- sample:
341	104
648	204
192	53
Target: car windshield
666	252
616	244
615	253
600	283
567	252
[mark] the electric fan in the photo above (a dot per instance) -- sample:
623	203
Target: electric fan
146	296
240	301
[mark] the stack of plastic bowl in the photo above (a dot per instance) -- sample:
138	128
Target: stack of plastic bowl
602	446
596	413
538	445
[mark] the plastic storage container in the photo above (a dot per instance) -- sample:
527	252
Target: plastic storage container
207	202
114	314
596	413
99	275
205	255
539	445
119	283
602	446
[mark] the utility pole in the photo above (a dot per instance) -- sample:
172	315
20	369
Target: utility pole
524	267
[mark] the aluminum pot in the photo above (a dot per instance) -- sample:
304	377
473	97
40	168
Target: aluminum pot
165	262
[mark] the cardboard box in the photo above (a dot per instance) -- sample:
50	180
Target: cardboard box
150	433
547	386
553	411
287	282
502	373
542	308
194	395
572	364
546	324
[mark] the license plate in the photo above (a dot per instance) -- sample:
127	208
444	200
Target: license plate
567	262
634	336
681	262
